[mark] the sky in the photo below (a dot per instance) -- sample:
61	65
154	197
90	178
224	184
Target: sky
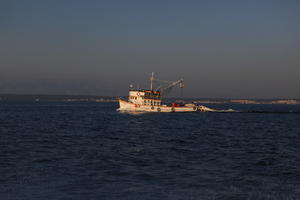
222	49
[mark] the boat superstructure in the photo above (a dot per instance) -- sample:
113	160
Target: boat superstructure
151	100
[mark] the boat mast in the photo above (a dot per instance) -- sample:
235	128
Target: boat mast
151	81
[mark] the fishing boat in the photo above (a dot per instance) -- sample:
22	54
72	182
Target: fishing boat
141	100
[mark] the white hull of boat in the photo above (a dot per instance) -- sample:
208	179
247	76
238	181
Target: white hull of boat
130	107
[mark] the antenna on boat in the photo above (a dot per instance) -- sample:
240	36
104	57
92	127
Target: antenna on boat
151	81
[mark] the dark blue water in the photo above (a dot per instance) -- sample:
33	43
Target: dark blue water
90	151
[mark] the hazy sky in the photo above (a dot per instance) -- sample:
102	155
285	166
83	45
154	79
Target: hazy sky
235	49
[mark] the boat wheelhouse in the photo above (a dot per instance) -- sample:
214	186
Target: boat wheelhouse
145	97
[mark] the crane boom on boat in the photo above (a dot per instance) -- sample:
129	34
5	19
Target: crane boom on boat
165	89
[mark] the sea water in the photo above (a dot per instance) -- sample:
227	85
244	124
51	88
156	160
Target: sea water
84	150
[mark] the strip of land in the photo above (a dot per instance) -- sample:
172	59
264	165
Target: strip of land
247	101
90	98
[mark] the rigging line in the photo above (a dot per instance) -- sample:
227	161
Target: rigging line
162	80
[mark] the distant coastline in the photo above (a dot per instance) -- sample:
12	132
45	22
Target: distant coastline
248	101
92	98
64	98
